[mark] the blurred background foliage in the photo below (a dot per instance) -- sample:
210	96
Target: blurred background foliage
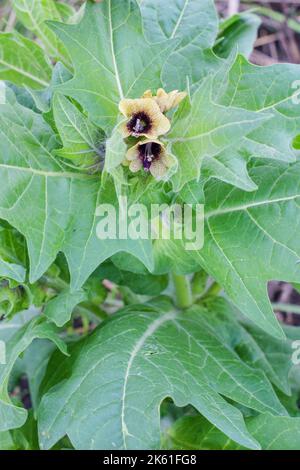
279	32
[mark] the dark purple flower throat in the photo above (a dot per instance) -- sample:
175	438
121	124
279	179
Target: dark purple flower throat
140	123
148	153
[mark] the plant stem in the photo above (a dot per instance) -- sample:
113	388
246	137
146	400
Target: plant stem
183	291
129	297
87	307
213	290
57	283
198	283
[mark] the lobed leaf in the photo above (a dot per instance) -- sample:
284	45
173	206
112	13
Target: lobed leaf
60	308
13	416
247	242
33	15
107	395
187	20
82	140
272	432
206	129
51	222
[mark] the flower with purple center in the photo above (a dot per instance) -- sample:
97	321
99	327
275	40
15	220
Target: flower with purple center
144	118
149	156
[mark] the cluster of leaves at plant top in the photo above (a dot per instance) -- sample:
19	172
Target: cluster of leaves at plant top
217	375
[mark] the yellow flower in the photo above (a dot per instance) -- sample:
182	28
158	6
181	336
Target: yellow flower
166	101
151	156
144	118
147	94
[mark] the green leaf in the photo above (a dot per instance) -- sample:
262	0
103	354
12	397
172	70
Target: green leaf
13	255
239	32
193	192
26	437
250	238
296	142
23	62
273	138
42	99
26	161
254	346
196	433
33	15
205	129
6	441
13	416
83	141
115	150
182	71
66	11
143	284
274	93
12	271
171	256
60	308
33	364
84	250
9	327
129	365
187	20
229	166
24	96
105	70
272	432
195	25
63	216
273	355
13	299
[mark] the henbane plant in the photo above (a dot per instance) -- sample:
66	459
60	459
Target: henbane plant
145	100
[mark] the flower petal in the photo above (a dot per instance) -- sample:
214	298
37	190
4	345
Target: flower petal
162	99
166	101
133	153
178	98
159	124
158	169
135	166
167	160
163	125
127	107
124	130
147	94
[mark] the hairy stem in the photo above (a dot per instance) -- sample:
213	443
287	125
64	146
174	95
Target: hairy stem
213	290
183	291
